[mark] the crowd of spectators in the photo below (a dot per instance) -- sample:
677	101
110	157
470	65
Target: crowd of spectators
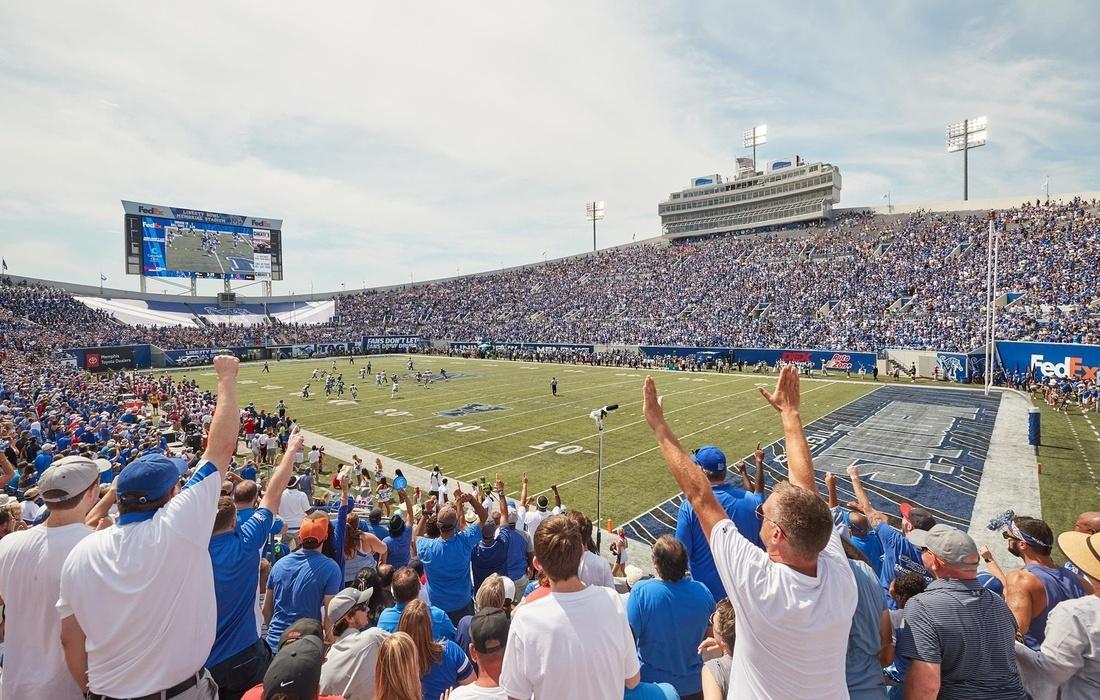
260	591
863	282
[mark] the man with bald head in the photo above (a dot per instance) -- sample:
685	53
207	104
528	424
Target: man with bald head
1088	523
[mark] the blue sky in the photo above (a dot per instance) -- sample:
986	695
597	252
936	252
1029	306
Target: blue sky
400	141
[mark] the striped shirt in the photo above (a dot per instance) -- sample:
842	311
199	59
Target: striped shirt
971	633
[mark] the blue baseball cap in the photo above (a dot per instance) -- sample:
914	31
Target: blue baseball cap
148	478
709	458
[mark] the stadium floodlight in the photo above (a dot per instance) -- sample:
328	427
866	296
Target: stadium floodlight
593	211
962	136
751	138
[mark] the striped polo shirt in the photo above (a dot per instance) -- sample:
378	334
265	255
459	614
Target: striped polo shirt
971	633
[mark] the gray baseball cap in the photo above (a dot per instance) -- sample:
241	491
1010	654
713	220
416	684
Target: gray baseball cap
343	602
67	478
949	544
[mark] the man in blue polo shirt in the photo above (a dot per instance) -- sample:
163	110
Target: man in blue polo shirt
447	559
406	588
899	554
740	506
239	657
44	458
302	583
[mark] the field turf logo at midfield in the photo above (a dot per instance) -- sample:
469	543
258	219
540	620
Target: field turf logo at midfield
470	409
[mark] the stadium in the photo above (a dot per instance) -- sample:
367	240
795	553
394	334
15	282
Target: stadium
912	386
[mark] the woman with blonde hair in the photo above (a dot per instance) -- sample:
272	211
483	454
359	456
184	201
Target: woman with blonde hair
396	672
442	663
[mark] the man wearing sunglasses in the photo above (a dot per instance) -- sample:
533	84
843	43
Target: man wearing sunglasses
348	670
797	595
1033	591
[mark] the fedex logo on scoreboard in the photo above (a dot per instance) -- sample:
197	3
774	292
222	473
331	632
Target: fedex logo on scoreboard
1068	368
154	211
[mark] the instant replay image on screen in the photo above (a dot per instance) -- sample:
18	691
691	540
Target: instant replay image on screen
192	243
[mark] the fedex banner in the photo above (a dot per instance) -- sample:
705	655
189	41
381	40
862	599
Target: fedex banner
1071	361
383	343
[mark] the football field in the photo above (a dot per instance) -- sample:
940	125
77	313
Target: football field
499	419
186	253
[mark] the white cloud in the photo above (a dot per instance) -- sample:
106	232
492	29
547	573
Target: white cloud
396	139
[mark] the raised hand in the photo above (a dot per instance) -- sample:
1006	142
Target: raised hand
295	442
226	366
853	471
759	454
830	480
785	398
652	405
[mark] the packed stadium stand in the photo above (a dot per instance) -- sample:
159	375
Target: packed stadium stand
862	282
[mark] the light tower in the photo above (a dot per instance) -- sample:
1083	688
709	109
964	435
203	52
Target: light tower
962	136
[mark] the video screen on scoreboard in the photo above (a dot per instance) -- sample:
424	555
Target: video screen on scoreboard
191	243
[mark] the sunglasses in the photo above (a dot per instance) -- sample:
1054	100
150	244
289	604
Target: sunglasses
760	514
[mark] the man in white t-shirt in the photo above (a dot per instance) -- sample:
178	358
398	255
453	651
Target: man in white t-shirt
576	641
293	509
30	577
137	604
795	599
531	519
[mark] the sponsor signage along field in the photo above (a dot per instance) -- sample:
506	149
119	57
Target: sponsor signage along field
1071	361
535	347
378	343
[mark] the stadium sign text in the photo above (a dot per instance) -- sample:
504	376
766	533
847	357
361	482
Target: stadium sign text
1068	368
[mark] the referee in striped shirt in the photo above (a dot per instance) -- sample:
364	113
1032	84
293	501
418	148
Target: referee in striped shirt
958	636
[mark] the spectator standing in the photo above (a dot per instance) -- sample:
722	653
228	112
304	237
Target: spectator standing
870	640
1032	592
294	673
406	588
798	596
302	582
397	673
958	636
740	507
447	559
669	616
574	643
293	509
594	569
490	556
488	641
154	558
716	671
350	664
239	658
30	579
1067	665
899	554
443	664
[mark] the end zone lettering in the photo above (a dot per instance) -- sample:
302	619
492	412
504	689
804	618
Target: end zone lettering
1069	368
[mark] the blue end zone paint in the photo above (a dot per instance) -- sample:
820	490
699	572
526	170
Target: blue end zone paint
239	264
922	446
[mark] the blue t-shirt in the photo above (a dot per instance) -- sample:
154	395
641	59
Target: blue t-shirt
244	514
669	620
651	691
442	627
898	556
862	669
867	543
516	563
447	564
42	461
489	558
452	668
376	530
236	559
397	548
300	581
740	506
248	473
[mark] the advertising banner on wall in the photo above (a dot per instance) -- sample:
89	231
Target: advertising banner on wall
837	360
110	359
387	343
533	347
1072	361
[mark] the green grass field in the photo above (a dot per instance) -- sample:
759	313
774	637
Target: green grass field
551	439
1070	455
185	253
